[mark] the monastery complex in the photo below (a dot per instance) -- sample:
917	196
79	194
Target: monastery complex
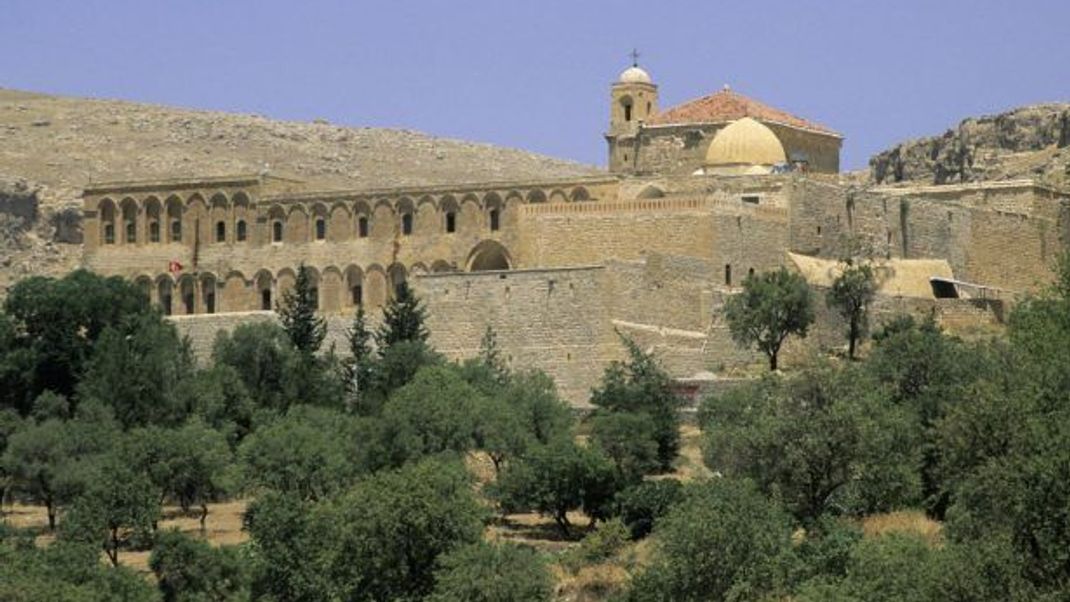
695	197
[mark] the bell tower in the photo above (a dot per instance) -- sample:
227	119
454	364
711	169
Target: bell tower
633	99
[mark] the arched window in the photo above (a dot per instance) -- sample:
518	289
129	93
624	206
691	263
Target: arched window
362	227
154	232
406	224
240	230
276	231
176	230
221	232
321	229
451	222
494	219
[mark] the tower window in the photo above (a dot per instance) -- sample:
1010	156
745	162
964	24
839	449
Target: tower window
221	232
362	227
240	230
176	230
276	231
494	219
728	274
451	222
321	229
154	232
406	224
131	232
627	112
109	234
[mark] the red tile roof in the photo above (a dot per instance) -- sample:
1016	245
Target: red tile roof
727	105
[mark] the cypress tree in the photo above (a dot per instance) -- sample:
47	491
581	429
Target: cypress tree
359	364
298	314
403	320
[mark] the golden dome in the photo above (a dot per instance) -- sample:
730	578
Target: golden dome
745	142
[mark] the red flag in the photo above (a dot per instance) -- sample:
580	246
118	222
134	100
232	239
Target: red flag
174	266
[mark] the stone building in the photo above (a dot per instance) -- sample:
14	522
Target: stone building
696	197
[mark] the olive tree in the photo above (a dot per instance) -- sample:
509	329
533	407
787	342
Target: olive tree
772	306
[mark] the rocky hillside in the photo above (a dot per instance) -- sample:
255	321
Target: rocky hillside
1029	142
51	147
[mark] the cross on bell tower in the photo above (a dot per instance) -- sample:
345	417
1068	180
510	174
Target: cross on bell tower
635	57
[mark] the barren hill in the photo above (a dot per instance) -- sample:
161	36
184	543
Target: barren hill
52	146
1027	142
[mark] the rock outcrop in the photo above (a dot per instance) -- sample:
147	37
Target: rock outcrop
1032	141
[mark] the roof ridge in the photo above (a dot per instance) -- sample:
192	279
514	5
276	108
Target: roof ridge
701	110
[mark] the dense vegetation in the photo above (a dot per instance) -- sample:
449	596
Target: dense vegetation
361	487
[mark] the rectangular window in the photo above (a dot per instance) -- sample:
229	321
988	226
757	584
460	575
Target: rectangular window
131	232
406	224
451	222
176	231
751	199
728	274
265	300
240	231
209	303
221	232
321	229
154	232
165	301
358	295
187	301
494	219
362	227
109	234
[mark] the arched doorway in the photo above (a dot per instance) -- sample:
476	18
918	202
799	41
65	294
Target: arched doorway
489	255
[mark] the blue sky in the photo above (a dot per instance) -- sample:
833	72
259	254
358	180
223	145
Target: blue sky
536	74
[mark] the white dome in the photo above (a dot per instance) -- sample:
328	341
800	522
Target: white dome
634	75
747	142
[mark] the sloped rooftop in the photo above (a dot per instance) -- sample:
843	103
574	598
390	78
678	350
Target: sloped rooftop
728	105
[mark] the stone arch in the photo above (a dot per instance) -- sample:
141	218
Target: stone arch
396	275
579	194
144	284
448	207
209	293
362	215
513	196
276	224
441	266
471	215
264	284
651	192
382	226
427	216
406	213
493	207
331	287
107	211
175	214
536	196
187	295
558	196
339	226
426	200
297	225
418	269
318	221
284	281
153	225
489	255
219	214
236	293
165	288
354	286
375	288
244	218
197	221
129	209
